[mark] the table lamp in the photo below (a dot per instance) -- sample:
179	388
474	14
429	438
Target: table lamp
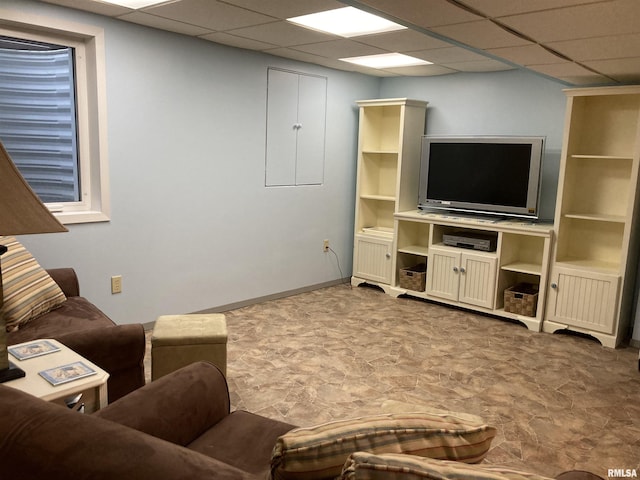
21	213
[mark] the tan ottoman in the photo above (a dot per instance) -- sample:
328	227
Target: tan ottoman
179	340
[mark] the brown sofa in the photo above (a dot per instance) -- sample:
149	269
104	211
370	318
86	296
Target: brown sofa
81	326
178	427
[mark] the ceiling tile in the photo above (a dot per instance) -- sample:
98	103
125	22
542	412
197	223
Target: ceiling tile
448	55
500	8
148	20
570	72
402	41
283	34
571	23
340	49
481	34
421	70
615	46
486	65
423	13
234	41
209	14
287	8
626	70
531	54
100	8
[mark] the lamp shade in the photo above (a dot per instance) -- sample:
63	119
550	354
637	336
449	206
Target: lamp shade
21	211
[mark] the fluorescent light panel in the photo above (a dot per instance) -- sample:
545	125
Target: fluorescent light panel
135	4
386	60
346	22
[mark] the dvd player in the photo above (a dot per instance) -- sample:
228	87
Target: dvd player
471	240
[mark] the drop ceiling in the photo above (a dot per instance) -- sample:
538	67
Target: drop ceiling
578	42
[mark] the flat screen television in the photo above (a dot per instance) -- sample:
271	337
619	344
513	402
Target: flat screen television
497	175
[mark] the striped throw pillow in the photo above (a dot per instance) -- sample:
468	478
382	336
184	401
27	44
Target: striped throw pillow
28	289
319	452
367	466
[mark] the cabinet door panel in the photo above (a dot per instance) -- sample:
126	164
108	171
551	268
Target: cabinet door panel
478	280
373	258
584	299
311	134
443	276
282	115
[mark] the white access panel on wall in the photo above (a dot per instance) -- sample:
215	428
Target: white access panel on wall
296	115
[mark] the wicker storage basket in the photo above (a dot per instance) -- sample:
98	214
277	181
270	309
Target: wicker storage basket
413	278
522	299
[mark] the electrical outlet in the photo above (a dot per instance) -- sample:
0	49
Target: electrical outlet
116	284
325	246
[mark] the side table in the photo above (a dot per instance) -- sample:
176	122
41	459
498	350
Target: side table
93	387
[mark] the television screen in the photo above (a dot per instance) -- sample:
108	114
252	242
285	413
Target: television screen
481	174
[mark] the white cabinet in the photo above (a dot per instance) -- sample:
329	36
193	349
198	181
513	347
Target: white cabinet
582	299
372	260
462	276
468	278
296	114
596	249
388	166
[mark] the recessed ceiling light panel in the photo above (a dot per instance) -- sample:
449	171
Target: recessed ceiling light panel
346	22
135	4
386	60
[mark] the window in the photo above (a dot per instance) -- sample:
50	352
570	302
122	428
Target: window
52	112
38	116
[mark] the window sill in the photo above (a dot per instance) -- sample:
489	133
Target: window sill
68	218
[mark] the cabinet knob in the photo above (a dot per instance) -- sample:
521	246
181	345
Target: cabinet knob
388	255
455	269
554	286
462	270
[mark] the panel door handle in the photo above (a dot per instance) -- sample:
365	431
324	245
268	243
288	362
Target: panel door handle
554	285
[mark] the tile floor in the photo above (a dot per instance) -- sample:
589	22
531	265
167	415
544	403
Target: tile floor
559	402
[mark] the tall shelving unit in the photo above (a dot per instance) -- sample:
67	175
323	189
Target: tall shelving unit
596	249
388	167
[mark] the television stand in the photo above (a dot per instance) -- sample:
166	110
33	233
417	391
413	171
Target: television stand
472	279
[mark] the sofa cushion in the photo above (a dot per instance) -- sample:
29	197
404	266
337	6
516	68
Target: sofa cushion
367	466
320	451
29	291
243	440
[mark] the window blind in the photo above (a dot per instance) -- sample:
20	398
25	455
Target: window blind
38	116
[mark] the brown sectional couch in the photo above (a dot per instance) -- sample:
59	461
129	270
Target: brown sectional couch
81	326
178	427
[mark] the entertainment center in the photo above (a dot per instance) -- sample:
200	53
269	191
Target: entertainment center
576	274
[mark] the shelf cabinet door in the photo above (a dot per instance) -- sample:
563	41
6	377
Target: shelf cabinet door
373	258
584	299
478	279
443	273
462	276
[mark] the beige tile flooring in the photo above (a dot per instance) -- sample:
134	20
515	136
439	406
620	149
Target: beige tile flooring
559	402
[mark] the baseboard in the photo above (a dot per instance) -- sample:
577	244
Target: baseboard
275	296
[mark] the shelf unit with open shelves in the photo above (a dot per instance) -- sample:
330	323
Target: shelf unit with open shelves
595	253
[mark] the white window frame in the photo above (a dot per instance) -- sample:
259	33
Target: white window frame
91	105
